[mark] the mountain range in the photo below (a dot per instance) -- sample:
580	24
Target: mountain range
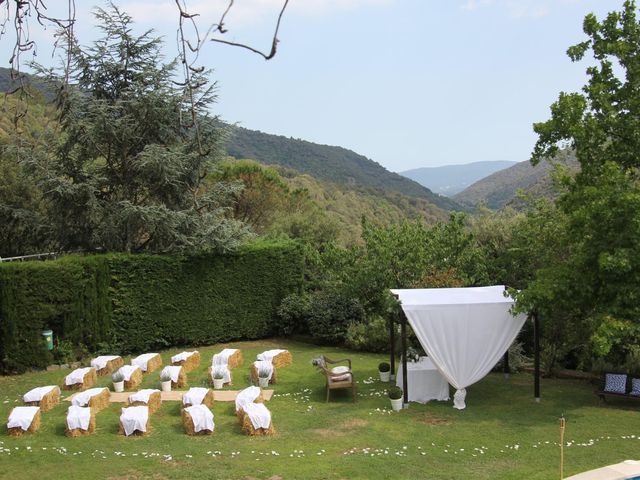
451	179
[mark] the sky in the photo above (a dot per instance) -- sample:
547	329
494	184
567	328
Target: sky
407	83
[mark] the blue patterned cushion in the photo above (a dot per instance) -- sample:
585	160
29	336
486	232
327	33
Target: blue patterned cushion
615	383
635	387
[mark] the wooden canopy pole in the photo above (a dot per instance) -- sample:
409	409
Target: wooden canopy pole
392	339
405	385
536	360
505	364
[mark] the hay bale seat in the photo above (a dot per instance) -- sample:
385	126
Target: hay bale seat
203	424
148	362
187	360
44	397
254	373
80	421
248	395
149	397
96	398
178	375
80	379
257	420
198	396
278	357
107	364
134	421
231	357
23	420
227	376
132	376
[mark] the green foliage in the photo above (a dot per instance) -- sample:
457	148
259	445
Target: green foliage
63	352
143	302
293	313
384	367
330	315
395	393
369	336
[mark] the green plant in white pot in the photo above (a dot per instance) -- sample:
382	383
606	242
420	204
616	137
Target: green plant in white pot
384	370
218	377
165	381
118	381
263	377
395	395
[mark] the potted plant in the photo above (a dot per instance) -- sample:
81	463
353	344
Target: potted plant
165	381
384	369
263	377
218	378
118	381
395	395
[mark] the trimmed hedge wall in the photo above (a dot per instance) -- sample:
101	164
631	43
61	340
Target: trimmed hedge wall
137	303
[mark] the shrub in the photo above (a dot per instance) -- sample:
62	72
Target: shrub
117	377
293	314
384	367
330	316
371	336
395	393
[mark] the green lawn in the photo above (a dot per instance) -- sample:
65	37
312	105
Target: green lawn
503	433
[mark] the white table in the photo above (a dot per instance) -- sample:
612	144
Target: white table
425	382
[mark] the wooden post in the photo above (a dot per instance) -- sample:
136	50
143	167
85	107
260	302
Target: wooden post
505	364
392	339
562	425
536	361
405	385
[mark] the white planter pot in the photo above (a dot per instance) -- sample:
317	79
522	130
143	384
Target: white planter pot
165	386
118	386
396	404
218	383
384	376
263	382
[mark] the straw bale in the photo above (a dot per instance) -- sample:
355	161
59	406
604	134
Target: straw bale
247	427
226	384
100	401
254	375
77	432
283	359
110	367
240	411
154	403
137	433
189	428
207	400
191	363
134	380
33	427
154	363
182	380
47	402
235	360
89	380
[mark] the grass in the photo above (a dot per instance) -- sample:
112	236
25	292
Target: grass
503	433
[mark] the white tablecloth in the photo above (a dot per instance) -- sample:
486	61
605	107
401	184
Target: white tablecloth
424	380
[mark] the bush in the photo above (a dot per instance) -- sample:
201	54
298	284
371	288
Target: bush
395	393
372	336
384	367
330	316
293	314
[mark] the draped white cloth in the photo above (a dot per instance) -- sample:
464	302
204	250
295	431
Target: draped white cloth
78	417
36	394
142	360
246	396
182	356
259	415
224	369
21	417
134	418
464	331
82	399
127	371
173	371
264	366
77	376
222	358
195	395
142	395
101	362
202	417
269	354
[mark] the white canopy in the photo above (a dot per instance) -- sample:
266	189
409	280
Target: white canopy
464	331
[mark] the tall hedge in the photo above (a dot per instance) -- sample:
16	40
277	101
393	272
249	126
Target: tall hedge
143	302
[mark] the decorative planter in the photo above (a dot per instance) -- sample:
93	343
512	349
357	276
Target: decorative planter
396	404
263	382
118	386
384	376
165	386
218	383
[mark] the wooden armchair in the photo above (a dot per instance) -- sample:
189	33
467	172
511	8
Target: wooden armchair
337	377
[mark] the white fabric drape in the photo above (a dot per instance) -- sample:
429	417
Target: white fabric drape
36	394
202	418
465	331
134	418
21	417
142	360
78	417
195	395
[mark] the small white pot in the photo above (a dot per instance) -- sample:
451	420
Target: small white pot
384	376
118	386
263	382
165	386
218	383
396	404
